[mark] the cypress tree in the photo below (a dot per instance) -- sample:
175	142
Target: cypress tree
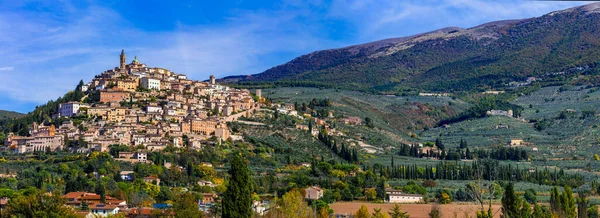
237	199
510	203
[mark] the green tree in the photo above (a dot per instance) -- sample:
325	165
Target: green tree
237	199
592	212
568	203
541	212
463	144
582	206
185	206
101	190
381	189
510	203
39	204
378	214
369	122
526	210
396	212
486	214
530	196
439	144
292	205
363	212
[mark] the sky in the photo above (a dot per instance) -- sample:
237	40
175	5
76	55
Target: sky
47	47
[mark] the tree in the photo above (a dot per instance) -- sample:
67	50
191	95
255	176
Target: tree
568	203
397	212
510	203
463	144
541	212
39	204
363	212
435	211
378	214
293	206
84	206
237	199
101	190
530	196
185	206
439	144
370	194
582	206
592	212
486	214
369	122
381	189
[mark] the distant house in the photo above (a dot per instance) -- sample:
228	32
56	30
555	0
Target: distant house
104	210
126	175
206	183
3	203
313	193
508	113
152	179
396	196
208	198
516	142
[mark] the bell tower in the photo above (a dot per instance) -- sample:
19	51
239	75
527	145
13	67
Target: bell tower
123	61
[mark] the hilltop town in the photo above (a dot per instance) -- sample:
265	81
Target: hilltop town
146	107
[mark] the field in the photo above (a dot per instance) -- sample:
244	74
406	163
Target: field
414	210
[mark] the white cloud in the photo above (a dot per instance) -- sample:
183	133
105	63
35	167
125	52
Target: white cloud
390	18
6	68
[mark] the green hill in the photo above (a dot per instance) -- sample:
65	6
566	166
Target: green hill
5	115
451	59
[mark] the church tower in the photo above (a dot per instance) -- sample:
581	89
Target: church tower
123	63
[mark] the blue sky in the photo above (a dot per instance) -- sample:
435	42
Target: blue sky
46	47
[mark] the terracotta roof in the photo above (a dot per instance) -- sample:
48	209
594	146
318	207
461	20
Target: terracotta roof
73	194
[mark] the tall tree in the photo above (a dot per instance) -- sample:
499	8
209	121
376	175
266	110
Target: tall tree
381	189
237	199
510	203
582	206
568	203
439	144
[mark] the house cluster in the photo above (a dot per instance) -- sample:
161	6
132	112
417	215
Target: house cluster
142	106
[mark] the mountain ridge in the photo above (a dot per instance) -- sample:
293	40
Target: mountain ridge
484	56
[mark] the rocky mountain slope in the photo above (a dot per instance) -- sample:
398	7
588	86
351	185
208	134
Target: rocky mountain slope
451	59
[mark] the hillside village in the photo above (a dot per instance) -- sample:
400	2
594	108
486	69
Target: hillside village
141	106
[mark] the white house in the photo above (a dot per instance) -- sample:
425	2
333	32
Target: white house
396	196
70	109
154	109
104	210
150	83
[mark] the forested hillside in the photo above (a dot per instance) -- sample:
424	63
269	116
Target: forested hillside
450	59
